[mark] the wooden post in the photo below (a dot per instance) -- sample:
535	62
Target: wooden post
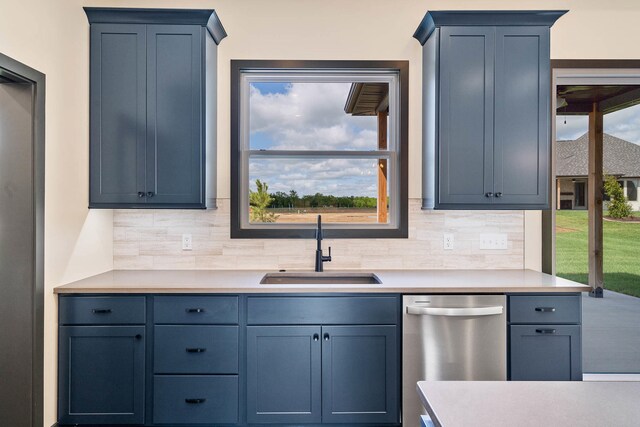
557	193
595	186
383	214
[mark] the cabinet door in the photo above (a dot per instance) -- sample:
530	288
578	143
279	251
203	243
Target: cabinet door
466	115
118	114
283	374
545	353
360	374
101	374
522	111
175	107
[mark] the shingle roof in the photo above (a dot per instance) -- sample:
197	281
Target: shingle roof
620	157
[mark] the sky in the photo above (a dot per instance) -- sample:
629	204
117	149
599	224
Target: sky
624	124
310	116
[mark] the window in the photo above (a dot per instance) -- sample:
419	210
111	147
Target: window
316	138
632	191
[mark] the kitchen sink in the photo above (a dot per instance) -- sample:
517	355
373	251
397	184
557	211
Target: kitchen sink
324	278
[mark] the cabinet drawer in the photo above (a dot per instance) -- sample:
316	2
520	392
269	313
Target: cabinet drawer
108	310
192	399
544	309
196	310
196	349
545	353
322	310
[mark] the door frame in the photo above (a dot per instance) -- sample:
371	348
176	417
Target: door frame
585	72
14	71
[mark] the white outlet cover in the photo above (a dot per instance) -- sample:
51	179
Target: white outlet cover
447	241
494	241
187	242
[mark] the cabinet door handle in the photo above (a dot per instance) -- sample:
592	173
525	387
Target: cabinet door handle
150	194
195	310
316	337
545	331
326	337
196	400
196	350
489	194
138	337
101	310
498	194
140	194
545	309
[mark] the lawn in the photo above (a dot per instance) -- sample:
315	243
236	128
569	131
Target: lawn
621	251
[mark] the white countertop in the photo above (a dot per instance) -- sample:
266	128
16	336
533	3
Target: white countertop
531	403
393	281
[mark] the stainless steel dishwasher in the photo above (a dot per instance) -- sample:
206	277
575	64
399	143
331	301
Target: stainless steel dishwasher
450	337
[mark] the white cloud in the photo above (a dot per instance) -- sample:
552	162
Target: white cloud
311	116
339	177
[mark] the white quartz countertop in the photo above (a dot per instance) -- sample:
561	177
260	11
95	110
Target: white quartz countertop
531	403
393	281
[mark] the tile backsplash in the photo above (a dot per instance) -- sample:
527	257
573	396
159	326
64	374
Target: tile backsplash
152	239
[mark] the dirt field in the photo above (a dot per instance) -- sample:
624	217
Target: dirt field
328	215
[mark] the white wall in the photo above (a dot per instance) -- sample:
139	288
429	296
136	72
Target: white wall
52	36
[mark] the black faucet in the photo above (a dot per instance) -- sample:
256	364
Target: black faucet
320	259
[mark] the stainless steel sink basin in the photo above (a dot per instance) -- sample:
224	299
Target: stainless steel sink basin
325	278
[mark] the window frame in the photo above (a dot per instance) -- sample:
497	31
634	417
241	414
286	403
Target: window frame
243	72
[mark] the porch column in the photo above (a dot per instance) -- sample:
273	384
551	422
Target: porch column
595	187
382	168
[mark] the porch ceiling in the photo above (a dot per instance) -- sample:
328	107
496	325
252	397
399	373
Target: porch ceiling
580	98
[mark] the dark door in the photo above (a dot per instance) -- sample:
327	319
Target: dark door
175	106
466	115
18	342
101	374
283	374
118	114
360	374
579	188
545	353
522	105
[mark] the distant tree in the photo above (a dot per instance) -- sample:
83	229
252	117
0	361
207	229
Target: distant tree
618	206
259	201
294	199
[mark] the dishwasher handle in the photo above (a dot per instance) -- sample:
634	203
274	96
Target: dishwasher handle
447	311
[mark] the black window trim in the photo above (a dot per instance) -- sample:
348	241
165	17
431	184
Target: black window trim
308	231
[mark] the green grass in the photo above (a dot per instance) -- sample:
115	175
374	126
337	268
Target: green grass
621	252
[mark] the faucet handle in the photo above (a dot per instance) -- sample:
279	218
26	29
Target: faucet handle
327	258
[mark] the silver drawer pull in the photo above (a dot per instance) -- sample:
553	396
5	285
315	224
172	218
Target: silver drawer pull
195	310
545	331
198	400
463	311
545	309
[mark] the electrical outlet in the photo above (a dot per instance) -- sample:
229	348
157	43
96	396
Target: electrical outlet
447	241
494	241
187	242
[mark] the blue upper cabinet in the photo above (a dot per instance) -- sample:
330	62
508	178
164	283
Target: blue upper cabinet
152	83
486	109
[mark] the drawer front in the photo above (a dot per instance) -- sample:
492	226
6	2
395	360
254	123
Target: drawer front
379	310
196	349
545	353
196	310
109	310
545	309
192	399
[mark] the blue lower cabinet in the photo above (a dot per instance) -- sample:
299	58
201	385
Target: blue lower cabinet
545	353
360	374
101	374
195	399
283	374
